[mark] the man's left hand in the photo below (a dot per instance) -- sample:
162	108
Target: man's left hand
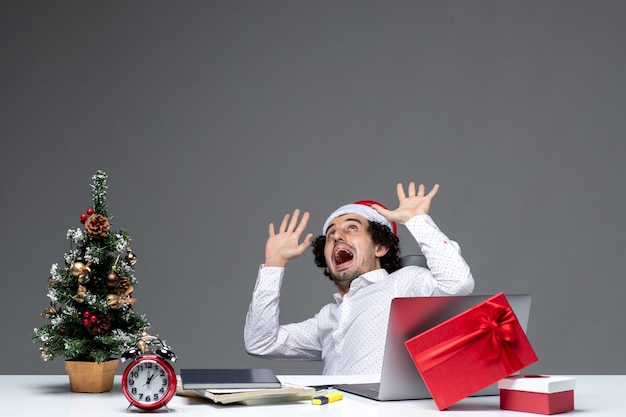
412	203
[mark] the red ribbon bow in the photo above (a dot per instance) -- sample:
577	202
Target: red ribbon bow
495	326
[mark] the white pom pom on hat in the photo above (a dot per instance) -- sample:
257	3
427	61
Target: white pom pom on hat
362	208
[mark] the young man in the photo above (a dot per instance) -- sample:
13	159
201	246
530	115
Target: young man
359	252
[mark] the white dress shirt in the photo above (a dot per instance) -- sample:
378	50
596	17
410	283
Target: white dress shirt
349	334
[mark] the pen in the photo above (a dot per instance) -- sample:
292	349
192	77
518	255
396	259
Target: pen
328	398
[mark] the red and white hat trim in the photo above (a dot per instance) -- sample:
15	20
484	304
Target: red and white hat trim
364	209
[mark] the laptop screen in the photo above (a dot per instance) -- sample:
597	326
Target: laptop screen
410	316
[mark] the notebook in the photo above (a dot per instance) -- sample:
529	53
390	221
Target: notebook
228	379
409	316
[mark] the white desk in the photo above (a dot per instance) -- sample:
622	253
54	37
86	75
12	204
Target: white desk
50	396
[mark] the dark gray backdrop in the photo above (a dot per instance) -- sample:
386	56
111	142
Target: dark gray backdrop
213	118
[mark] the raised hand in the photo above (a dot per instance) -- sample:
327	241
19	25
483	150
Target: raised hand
410	204
284	245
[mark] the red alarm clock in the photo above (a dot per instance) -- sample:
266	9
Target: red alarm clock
149	381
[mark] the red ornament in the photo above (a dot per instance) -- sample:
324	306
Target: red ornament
86	322
93	318
86	314
89	211
62	329
83	218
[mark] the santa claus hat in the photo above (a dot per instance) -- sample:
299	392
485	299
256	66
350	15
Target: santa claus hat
362	208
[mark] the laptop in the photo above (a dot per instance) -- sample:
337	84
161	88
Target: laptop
409	316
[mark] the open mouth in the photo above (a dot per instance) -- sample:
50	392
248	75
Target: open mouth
342	257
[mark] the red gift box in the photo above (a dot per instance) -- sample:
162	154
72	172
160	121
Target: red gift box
538	394
471	351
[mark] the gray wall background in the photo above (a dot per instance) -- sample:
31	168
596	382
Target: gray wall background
213	118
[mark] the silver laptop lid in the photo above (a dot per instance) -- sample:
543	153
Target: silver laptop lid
400	379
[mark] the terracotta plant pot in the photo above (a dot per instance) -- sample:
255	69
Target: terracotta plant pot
91	376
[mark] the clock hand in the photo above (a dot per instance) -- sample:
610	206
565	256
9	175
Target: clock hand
149	378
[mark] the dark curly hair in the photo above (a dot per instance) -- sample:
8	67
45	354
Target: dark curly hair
381	235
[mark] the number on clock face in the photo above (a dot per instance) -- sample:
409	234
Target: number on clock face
147	382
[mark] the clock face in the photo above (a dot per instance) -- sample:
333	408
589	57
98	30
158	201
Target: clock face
149	382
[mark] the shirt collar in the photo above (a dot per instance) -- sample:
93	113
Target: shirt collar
364	280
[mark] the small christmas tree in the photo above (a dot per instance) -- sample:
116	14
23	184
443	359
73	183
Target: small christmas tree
91	316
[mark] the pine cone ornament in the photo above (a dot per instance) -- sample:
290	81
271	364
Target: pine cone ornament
97	226
124	290
100	326
124	287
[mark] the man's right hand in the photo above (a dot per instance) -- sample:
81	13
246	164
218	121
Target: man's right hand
283	246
